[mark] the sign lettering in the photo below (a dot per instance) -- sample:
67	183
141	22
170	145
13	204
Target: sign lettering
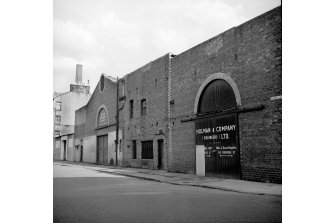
218	135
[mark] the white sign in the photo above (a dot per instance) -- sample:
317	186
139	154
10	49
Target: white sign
70	142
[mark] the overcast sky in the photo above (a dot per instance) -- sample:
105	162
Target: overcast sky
118	36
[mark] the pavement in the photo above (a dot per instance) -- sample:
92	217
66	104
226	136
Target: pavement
240	186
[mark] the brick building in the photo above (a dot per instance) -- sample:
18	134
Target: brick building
95	131
214	109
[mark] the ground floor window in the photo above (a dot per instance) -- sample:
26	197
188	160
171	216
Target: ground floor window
147	150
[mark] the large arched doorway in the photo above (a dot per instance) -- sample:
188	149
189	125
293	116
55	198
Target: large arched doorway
217	128
102	139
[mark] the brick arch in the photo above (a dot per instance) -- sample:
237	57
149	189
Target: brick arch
216	76
97	116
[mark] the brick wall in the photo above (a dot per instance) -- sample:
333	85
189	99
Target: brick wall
251	55
148	82
86	117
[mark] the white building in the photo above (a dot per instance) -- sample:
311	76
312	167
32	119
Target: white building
64	107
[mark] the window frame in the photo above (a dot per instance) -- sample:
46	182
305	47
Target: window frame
99	116
147	148
58	106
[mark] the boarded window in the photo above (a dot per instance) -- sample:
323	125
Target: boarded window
102	83
143	107
147	150
131	108
134	150
102	117
217	96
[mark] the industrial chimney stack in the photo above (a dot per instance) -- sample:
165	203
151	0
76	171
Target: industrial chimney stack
79	86
79	74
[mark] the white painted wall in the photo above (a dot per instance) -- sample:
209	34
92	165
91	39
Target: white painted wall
90	151
70	103
111	146
200	160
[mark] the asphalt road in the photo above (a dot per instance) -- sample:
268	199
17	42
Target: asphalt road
83	195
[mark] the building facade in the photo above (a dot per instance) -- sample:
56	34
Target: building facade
64	106
212	110
95	125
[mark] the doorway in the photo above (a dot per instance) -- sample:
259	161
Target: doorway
81	153
64	150
102	149
160	154
216	127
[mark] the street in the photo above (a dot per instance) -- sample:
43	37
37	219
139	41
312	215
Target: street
85	195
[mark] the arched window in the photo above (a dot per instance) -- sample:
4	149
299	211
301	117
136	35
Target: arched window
102	118
218	95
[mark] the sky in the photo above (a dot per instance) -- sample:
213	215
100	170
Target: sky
116	37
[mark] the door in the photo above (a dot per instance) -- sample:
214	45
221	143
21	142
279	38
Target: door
102	149
81	153
105	149
219	135
160	154
64	149
99	149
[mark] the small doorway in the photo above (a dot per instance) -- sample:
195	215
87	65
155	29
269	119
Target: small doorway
64	150
81	153
160	154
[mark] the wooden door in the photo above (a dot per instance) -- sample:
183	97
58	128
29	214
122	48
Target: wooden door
160	154
219	135
99	149
105	149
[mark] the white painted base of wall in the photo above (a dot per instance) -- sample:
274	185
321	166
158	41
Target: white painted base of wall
90	149
111	147
200	160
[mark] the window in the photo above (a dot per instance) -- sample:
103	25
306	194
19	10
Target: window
147	150
102	118
131	108
58	119
217	96
57	133
134	150
58	106
102	83
143	107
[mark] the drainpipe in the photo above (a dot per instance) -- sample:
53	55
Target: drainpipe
169	150
117	120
